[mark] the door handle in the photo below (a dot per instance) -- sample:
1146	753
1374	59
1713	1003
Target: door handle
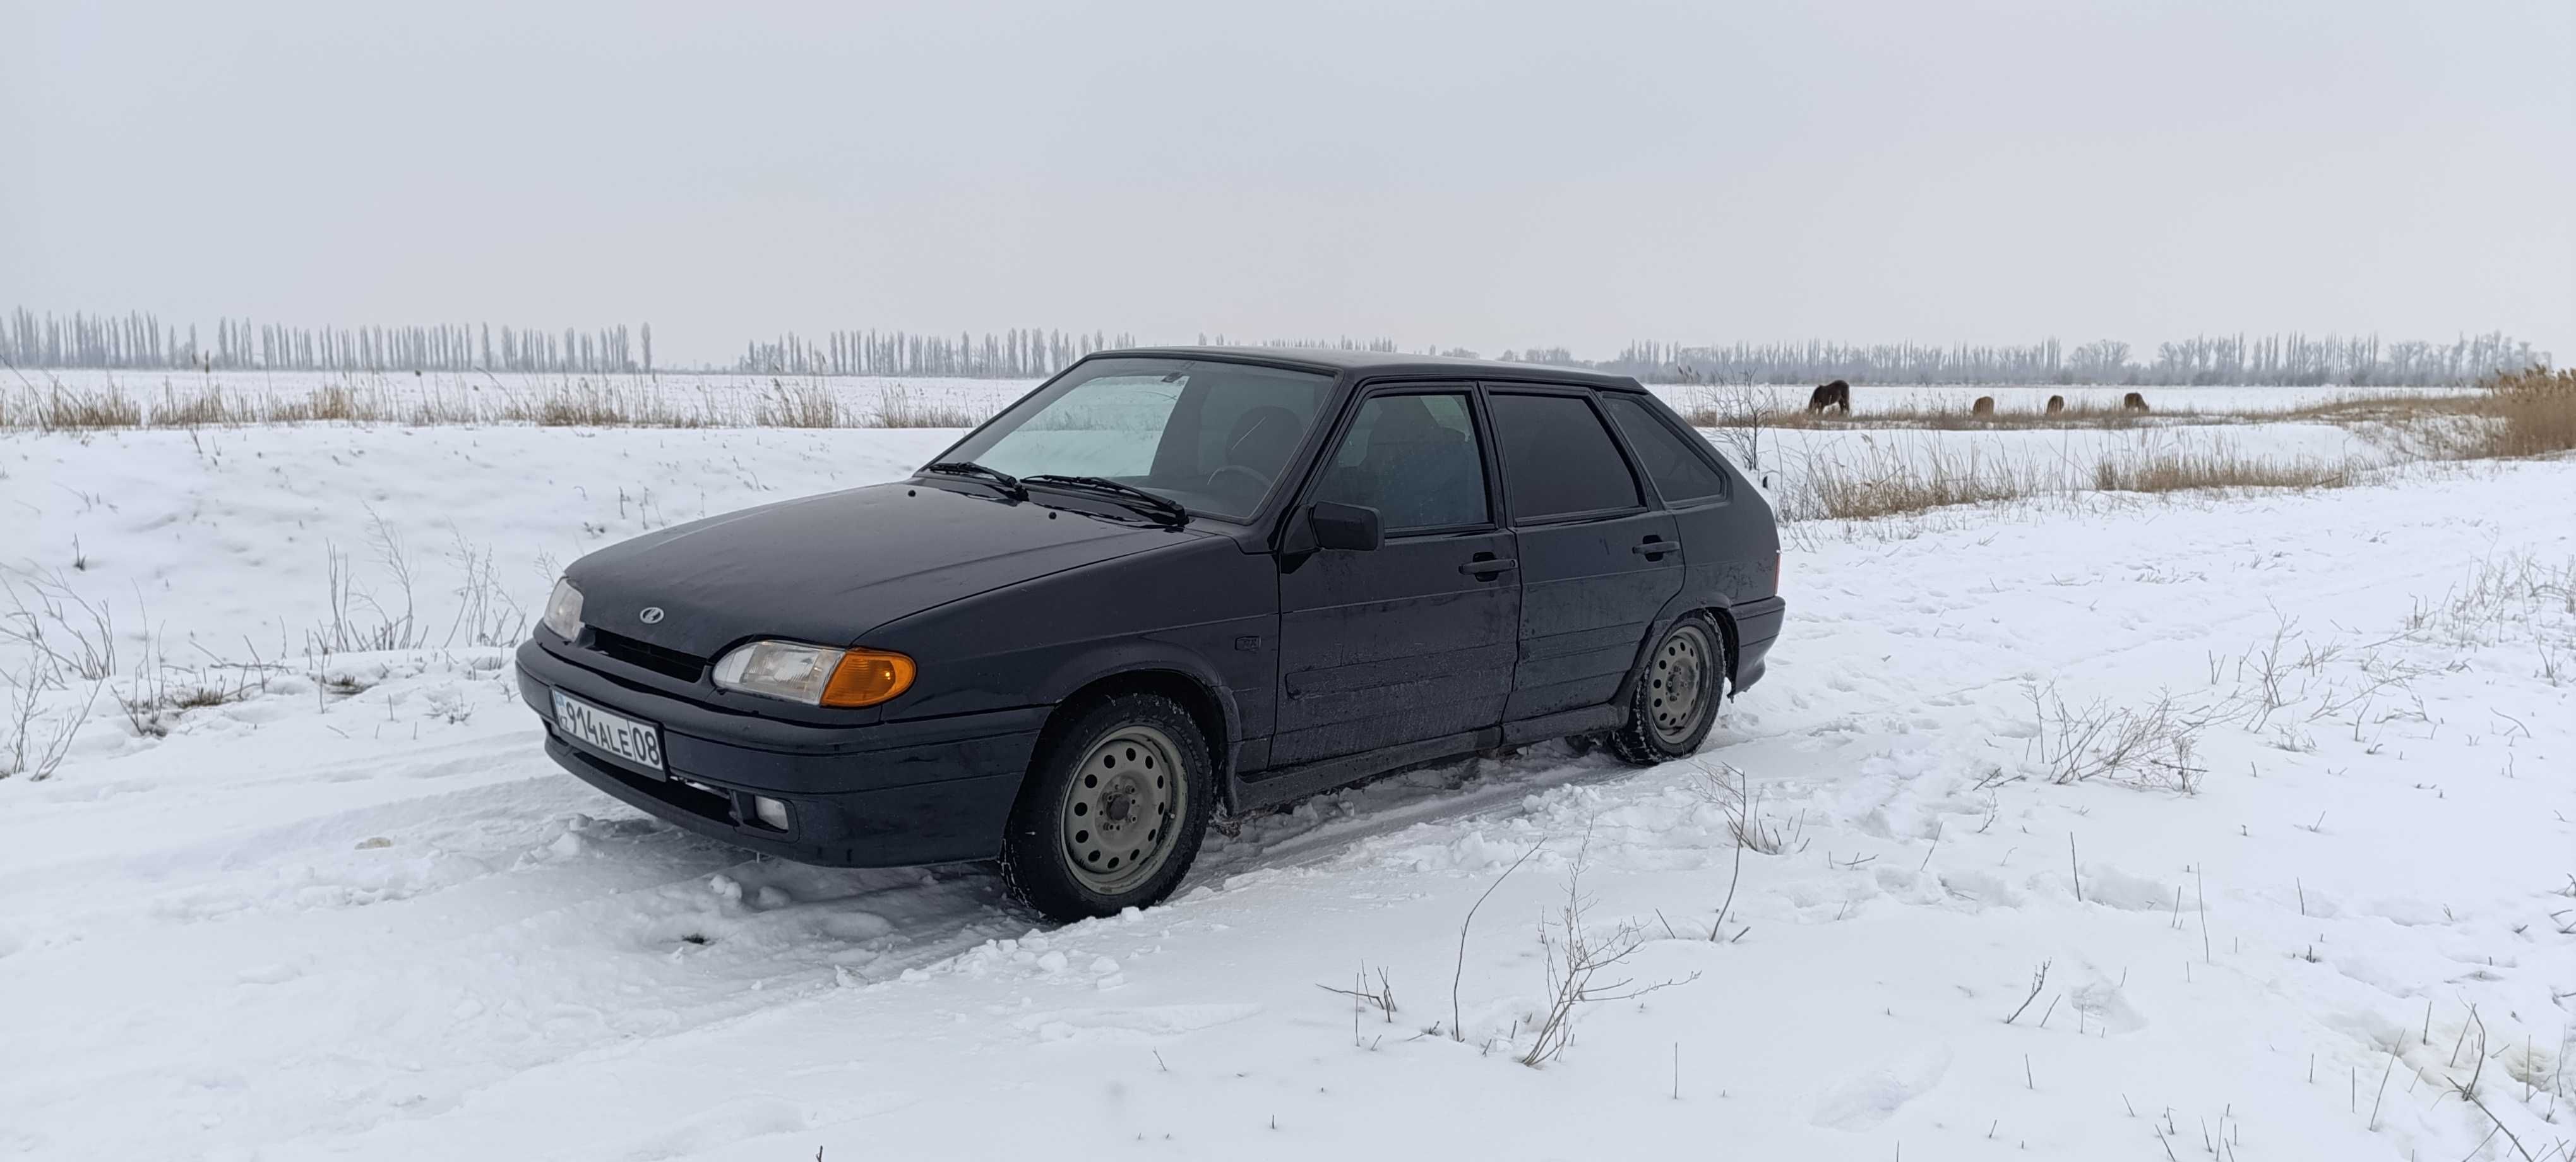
1654	548
1479	568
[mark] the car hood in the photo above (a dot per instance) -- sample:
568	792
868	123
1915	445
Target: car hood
827	569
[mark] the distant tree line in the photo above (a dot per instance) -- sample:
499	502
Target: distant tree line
2275	360
143	341
1013	354
139	341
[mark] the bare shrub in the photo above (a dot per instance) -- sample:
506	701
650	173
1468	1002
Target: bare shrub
1380	996
2038	981
2514	596
1575	956
1457	1025
1733	793
31	753
66	637
2148	746
486	614
159	693
359	619
1731	790
1737	414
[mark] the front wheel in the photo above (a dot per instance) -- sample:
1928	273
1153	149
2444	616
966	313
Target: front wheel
1677	695
1112	812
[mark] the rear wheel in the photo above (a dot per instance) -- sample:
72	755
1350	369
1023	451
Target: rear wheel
1113	810
1677	695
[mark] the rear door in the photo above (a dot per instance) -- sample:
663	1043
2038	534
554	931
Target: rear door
1597	563
1413	640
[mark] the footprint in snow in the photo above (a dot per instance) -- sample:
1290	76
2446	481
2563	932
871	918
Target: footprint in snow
1867	1100
1132	1026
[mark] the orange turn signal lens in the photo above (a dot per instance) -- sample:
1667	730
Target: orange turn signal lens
867	677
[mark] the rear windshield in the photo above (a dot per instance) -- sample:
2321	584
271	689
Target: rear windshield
1214	436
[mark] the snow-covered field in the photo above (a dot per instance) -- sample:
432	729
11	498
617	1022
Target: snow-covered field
724	394
2322	906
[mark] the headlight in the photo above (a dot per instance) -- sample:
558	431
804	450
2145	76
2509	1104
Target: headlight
814	675
563	609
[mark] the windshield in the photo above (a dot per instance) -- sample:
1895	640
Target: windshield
1213	436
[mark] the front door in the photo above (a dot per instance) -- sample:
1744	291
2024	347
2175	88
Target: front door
1413	640
1597	564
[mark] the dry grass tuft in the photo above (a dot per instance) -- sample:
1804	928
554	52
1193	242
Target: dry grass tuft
585	404
2535	412
898	407
1906	477
2176	471
1887	482
571	402
805	405
58	410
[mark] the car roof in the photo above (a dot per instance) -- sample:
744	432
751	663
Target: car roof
1384	363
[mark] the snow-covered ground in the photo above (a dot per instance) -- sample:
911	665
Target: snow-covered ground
259	541
358	914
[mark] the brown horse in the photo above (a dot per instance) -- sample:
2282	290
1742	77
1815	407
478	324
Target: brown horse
1832	395
1985	406
2056	404
2134	403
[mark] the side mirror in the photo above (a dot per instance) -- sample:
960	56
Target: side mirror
1345	526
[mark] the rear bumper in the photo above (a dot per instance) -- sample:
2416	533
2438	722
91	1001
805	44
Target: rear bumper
1757	625
890	794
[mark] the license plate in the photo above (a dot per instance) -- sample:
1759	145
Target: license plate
636	744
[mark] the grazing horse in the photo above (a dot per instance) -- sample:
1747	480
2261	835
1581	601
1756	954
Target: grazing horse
1832	395
2056	404
1985	406
2134	403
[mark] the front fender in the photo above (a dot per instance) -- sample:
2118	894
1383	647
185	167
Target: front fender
1143	657
1200	608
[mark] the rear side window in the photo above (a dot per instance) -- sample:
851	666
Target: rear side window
1558	459
1678	470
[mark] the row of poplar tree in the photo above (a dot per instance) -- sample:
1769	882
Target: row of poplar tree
142	341
2290	359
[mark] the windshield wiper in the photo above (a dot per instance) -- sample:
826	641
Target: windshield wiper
1007	483
1161	504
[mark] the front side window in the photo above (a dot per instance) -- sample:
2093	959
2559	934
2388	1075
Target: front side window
1557	458
1678	470
1413	458
1214	436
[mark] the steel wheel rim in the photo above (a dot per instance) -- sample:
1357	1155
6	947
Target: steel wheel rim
1121	807
1678	685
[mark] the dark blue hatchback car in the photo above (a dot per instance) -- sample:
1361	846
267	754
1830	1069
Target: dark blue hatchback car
1164	580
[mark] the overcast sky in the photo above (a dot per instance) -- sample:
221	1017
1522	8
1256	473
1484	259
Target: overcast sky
1485	175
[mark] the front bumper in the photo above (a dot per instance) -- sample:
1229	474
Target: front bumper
889	794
